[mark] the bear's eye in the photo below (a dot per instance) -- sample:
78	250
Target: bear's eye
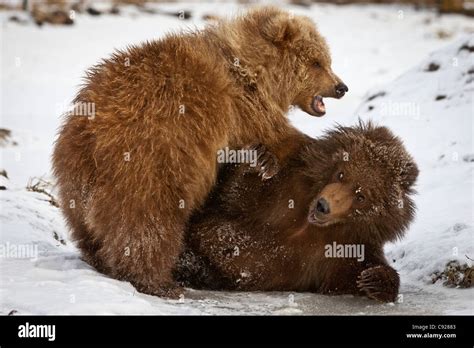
340	176
360	198
316	65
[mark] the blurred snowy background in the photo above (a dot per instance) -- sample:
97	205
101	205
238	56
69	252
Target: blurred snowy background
408	68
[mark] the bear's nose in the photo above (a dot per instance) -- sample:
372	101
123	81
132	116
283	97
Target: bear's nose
341	89
322	206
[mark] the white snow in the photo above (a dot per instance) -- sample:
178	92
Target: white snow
375	49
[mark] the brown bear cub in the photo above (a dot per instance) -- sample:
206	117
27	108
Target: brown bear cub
132	172
319	224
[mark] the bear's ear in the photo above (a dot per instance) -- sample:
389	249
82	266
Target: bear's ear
409	175
278	27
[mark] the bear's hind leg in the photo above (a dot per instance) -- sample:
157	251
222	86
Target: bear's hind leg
143	253
139	233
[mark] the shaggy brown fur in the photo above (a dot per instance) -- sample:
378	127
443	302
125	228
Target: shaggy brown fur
130	174
273	236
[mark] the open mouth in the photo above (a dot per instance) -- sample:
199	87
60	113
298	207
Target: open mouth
318	105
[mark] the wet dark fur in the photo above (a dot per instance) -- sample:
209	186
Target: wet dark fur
247	236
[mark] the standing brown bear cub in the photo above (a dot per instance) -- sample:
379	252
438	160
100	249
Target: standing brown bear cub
345	193
130	176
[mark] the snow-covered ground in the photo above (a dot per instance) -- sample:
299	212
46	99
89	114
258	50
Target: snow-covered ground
384	54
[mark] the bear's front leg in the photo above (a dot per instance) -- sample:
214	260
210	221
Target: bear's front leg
273	156
380	283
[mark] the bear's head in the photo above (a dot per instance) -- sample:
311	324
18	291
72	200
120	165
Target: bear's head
293	45
362	175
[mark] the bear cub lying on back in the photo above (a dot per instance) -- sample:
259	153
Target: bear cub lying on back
319	225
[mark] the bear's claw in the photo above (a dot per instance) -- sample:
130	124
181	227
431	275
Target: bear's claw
267	163
378	283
